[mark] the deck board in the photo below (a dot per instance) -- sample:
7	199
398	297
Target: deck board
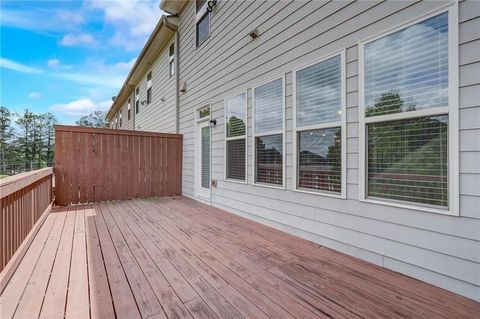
173	257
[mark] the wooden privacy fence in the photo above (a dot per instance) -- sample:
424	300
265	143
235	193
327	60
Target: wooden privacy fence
94	165
25	199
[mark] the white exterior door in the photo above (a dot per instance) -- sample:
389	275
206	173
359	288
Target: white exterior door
202	161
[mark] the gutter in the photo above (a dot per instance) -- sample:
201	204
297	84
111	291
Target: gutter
177	73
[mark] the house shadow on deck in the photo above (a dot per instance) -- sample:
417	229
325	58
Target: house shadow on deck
173	257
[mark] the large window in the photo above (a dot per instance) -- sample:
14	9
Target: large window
268	132
149	87
319	126
235	138
407	113
202	25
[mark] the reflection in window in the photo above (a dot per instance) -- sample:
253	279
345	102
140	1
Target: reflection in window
236	159
203	28
319	92
319	160
410	65
235	115
408	160
269	157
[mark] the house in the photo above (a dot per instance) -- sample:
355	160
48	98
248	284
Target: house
370	109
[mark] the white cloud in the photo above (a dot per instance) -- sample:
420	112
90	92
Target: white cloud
41	19
34	95
78	39
133	21
106	80
56	64
12	65
80	107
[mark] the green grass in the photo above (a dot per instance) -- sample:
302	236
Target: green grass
3	176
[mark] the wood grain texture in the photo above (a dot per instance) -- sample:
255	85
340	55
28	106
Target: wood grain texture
102	164
173	257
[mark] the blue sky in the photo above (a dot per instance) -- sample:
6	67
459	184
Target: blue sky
69	57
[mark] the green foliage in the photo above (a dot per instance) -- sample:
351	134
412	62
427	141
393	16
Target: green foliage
94	119
26	141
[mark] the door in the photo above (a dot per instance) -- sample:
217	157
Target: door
202	160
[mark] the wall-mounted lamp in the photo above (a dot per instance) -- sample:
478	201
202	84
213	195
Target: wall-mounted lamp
210	5
253	34
212	122
183	87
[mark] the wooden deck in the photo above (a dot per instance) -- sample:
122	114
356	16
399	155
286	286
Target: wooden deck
176	258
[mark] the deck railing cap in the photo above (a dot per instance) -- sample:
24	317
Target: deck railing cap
11	184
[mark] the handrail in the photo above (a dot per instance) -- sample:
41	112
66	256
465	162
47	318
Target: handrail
12	184
25	199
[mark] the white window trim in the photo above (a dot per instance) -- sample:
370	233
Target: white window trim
342	124
451	111
199	16
274	132
245	93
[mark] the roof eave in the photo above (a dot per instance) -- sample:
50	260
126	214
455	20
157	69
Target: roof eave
162	32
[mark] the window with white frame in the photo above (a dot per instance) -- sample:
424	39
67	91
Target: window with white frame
407	114
120	118
235	137
116	122
268	132
137	100
128	108
171	59
149	87
202	25
319	126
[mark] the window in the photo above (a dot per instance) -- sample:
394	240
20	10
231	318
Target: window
116	122
149	87
235	137
128	110
320	125
202	26
407	116
137	100
171	59
268	133
120	118
203	113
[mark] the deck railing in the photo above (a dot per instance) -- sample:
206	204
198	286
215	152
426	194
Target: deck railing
25	199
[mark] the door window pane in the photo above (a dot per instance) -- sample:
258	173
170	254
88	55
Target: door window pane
206	157
269	157
408	70
320	160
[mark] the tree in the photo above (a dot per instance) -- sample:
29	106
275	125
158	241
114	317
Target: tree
95	119
6	134
25	122
49	121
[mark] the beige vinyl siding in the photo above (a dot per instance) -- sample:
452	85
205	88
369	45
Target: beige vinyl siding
128	124
440	249
158	116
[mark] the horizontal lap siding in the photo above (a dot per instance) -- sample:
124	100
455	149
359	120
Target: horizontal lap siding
435	248
158	116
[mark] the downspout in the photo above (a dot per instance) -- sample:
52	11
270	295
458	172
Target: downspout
174	28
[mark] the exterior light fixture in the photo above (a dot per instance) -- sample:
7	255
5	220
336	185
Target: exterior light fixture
254	34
